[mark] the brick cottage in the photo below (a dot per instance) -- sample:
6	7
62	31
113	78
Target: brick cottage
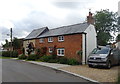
67	39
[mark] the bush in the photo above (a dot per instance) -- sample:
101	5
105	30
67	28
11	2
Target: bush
32	57
14	54
6	53
43	51
10	54
22	56
53	61
46	58
63	60
72	62
118	81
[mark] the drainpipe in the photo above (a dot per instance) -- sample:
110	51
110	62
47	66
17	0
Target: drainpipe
85	49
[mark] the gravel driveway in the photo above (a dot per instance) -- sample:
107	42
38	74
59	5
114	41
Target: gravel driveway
98	74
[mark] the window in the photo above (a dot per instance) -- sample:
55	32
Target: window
60	52
50	49
50	39
41	40
60	38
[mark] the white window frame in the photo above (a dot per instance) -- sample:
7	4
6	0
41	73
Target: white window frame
50	51
60	52
41	40
60	38
50	39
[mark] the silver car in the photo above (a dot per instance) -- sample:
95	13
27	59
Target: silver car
104	57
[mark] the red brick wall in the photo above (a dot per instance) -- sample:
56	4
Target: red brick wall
71	44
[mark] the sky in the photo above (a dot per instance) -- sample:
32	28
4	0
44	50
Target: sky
25	15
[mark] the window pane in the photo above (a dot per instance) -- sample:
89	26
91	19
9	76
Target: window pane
62	52
59	52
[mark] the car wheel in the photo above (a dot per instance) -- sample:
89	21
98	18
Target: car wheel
109	65
90	65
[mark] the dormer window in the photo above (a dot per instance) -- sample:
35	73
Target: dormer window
60	38
41	40
50	39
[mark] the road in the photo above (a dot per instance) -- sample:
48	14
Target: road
18	71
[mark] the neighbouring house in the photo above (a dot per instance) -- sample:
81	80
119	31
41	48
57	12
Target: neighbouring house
68	40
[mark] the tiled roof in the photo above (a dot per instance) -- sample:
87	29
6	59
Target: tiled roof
71	29
35	33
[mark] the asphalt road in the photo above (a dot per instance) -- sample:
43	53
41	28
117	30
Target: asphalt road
18	71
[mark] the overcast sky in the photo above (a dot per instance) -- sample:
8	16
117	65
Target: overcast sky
25	15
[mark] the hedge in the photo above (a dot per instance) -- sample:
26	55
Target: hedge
10	54
32	57
22	56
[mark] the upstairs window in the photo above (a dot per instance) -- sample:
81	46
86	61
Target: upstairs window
50	39
60	38
41	40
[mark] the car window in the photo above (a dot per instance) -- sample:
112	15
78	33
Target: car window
95	51
103	51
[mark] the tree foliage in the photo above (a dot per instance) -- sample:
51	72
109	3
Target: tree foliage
16	43
118	37
105	23
6	45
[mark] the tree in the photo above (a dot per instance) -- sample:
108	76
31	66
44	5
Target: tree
16	43
105	23
118	37
6	45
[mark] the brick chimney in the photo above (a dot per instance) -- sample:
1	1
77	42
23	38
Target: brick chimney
90	19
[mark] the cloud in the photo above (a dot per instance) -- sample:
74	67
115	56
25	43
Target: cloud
69	5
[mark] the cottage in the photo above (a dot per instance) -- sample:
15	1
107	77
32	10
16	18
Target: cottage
67	39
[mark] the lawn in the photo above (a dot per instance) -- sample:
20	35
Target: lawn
4	57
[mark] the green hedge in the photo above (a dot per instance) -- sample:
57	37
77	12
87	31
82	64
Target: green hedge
63	60
53	61
22	56
118	82
32	57
10	54
14	54
72	62
6	53
46	58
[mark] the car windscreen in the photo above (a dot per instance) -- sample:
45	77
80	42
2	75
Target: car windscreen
103	51
95	51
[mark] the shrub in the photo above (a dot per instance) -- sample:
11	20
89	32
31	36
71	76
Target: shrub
43	51
53	61
32	57
6	53
10	54
23	50
14	54
63	60
46	58
22	56
72	62
79	53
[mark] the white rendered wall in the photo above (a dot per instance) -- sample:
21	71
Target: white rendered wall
91	41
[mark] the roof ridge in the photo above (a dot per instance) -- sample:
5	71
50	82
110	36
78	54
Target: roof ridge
68	26
40	28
